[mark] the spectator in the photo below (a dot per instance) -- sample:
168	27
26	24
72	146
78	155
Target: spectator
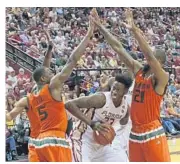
177	107
21	75
9	69
12	77
24	37
16	93
172	88
12	145
10	101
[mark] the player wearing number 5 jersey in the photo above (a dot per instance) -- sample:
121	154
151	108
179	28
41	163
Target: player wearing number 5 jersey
35	125
148	142
108	107
51	144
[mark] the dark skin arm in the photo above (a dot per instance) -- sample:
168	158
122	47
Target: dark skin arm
161	77
94	101
48	56
58	80
18	108
116	45
125	120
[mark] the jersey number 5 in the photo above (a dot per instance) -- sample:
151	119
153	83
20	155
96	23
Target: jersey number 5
43	114
139	96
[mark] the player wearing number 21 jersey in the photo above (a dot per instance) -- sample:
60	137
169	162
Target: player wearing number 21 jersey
108	107
147	141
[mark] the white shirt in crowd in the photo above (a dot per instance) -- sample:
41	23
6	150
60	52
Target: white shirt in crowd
9	69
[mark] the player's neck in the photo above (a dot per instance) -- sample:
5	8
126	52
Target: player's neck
40	86
117	102
148	73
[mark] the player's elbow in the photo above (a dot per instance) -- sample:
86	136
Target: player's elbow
70	106
67	105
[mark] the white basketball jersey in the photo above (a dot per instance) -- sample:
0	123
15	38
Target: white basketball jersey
108	113
123	131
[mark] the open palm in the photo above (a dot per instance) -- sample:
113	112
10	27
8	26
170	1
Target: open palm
129	18
95	17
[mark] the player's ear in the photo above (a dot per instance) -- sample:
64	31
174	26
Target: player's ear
43	79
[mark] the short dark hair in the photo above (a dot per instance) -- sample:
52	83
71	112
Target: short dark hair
37	74
124	79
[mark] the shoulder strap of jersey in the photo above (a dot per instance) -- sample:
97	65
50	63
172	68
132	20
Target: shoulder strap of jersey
139	72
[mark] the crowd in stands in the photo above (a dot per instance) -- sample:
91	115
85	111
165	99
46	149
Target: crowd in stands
67	27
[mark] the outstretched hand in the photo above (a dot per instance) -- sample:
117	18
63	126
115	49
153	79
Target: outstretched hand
129	18
48	38
130	21
91	26
95	17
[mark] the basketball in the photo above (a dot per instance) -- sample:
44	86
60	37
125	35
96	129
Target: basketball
104	138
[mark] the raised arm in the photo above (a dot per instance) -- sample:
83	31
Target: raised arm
160	74
94	101
19	107
116	45
48	56
61	77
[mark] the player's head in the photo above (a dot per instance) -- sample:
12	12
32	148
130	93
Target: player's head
42	75
160	56
120	86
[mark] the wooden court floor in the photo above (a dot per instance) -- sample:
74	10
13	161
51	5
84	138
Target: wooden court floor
174	148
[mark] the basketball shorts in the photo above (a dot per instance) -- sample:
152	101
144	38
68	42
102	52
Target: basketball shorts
32	155
148	143
85	151
51	146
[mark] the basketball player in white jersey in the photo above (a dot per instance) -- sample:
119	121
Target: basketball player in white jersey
108	107
122	131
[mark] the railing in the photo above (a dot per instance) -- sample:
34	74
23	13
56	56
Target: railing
167	69
22	58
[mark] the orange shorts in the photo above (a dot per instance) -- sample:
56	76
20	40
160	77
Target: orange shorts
32	155
52	146
148	143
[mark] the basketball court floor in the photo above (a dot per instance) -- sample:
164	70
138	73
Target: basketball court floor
174	148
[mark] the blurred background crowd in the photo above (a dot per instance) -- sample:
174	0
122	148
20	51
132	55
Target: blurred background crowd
67	27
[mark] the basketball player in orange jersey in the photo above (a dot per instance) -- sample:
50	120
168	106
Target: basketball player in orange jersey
147	141
51	144
35	125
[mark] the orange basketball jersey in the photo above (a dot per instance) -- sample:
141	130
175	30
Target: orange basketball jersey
33	119
145	106
51	113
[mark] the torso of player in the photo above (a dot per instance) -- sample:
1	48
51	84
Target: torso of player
145	106
34	121
108	113
50	113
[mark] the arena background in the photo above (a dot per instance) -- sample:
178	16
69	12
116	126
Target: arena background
26	46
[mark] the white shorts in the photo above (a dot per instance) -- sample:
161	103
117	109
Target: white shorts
85	151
